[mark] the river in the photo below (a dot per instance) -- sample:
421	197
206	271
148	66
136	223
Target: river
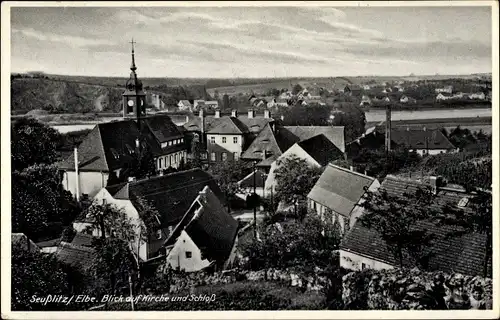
371	116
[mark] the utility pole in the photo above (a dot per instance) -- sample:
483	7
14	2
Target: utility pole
255	203
131	293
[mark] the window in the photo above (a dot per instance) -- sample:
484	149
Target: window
463	202
170	230
170	143
235	155
204	156
363	266
212	156
224	156
224	139
189	254
182	140
212	139
235	139
104	202
158	234
160	161
129	148
114	153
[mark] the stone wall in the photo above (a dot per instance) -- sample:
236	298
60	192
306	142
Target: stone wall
415	290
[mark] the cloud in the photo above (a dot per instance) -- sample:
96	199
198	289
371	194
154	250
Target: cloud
73	41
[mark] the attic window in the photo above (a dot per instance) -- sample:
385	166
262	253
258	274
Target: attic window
463	202
158	234
115	154
129	148
189	254
265	141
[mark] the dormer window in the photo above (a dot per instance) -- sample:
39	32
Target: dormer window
114	153
129	149
170	143
158	234
463	202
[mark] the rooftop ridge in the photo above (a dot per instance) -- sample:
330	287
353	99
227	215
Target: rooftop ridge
136	182
351	171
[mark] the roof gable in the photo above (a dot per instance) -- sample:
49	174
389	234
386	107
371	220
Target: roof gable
162	127
321	149
340	189
334	133
228	125
273	143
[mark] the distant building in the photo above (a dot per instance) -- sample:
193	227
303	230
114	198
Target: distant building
185	105
365	101
447	89
477	96
340	191
364	248
407	100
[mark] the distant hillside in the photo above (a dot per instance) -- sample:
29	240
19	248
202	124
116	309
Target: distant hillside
73	96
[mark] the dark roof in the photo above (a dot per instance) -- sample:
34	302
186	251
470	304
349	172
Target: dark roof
334	133
463	254
255	124
260	179
49	243
419	138
228	125
162	128
171	194
82	239
22	240
340	189
77	256
274	143
110	145
321	149
209	225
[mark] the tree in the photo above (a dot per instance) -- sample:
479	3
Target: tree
40	205
143	164
228	173
396	219
296	89
34	274
196	150
111	221
225	102
32	142
461	138
352	118
312	115
295	178
479	219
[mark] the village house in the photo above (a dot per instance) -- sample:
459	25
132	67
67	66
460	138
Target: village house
477	96
421	140
317	151
444	96
407	100
185	105
365	101
171	195
338	193
446	89
205	237
225	137
364	248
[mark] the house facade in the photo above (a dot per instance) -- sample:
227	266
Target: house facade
338	193
184	105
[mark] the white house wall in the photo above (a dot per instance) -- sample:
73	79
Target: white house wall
89	182
229	145
177	256
171	160
296	150
353	261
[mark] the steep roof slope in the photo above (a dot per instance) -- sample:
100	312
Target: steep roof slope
321	149
334	133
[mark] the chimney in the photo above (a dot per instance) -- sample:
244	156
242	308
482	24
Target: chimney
388	128
264	154
137	143
282	118
77	177
351	168
267	114
187	118
234	113
202	126
436	183
217	113
131	179
251	114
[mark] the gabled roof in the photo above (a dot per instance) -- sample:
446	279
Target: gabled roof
334	133
209	225
73	255
228	125
185	102
340	189
162	127
273	143
82	239
419	138
171	194
321	149
255	124
462	254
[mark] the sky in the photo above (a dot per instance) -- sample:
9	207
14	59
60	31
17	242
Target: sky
227	42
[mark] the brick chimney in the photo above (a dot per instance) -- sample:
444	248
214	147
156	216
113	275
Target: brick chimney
251	113
217	113
436	182
234	113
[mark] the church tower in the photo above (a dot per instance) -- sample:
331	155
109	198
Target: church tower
134	98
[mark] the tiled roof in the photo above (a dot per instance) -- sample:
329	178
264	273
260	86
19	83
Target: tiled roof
340	189
463	254
274	143
419	138
228	125
162	127
210	226
77	256
49	243
260	180
185	102
82	239
321	149
171	194
334	133
255	124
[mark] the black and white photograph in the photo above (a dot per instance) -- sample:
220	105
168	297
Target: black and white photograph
249	156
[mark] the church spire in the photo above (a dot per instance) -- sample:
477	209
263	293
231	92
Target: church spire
132	66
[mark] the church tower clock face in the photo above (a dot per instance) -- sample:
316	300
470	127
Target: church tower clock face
130	103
